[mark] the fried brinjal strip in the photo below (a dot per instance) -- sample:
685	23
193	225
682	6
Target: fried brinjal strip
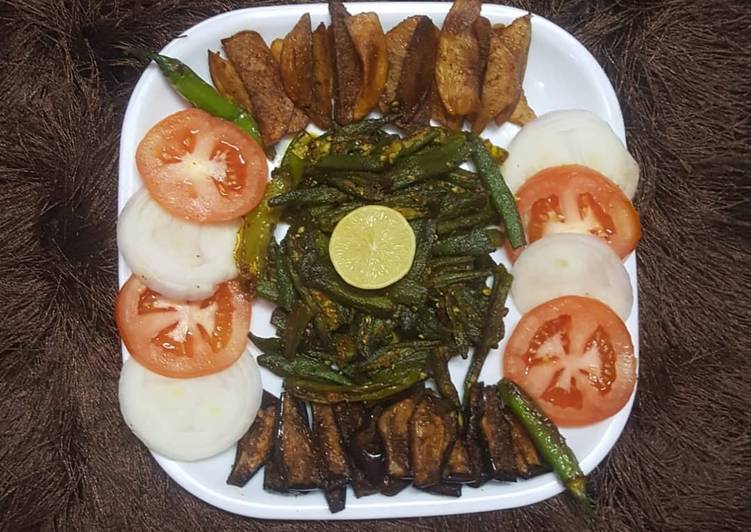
393	426
333	456
523	113
528	461
323	73
227	81
496	433
347	68
397	41
370	43
457	69
417	77
349	418
296	64
458	468
506	88
367	452
259	72
473	435
299	465
432	431
254	448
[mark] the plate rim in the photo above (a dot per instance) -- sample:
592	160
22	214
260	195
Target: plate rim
396	508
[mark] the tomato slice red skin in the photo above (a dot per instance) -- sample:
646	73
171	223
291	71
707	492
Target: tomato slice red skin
569	192
601	384
188	191
144	321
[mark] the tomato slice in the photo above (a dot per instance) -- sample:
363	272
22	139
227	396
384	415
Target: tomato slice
574	356
202	168
577	199
183	338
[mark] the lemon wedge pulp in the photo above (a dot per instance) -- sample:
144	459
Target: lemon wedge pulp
372	247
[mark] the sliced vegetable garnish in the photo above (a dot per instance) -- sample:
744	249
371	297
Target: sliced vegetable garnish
372	247
570	137
190	419
183	338
571	265
202	168
175	257
573	355
577	199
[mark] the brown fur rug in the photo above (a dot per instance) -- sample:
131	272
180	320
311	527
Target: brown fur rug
682	72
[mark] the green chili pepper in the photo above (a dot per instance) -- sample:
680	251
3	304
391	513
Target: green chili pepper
258	225
548	440
500	195
202	95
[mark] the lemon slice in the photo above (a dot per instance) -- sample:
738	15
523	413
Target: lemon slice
372	247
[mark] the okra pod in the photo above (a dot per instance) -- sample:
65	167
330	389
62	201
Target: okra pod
429	163
302	367
493	328
476	242
317	392
548	440
309	197
500	195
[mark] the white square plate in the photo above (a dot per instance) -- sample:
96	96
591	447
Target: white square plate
561	74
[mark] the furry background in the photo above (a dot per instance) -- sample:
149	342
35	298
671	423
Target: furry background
681	69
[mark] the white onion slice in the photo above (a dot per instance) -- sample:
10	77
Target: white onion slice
190	419
177	258
569	264
569	137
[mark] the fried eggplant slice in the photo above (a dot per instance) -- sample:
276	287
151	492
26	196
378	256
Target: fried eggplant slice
274	475
449	489
397	41
333	456
393	427
350	417
458	468
297	121
259	72
296	64
483	30
418	68
276	49
323	78
523	113
439	113
432	431
254	448
367	452
227	81
348	74
507	63
370	43
496	433
457	69
473	436
300	465
528	461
